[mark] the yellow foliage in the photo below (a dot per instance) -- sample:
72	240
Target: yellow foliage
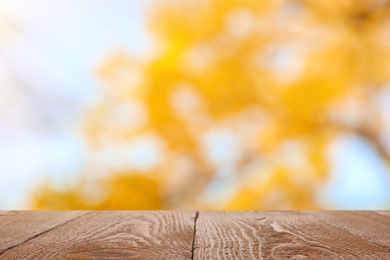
120	192
268	78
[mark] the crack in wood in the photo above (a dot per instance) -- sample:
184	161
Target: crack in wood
42	233
193	239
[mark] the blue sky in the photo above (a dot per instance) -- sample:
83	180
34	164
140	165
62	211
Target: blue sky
54	47
359	179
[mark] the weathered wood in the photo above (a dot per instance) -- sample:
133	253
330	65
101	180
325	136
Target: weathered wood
16	227
218	235
292	235
115	235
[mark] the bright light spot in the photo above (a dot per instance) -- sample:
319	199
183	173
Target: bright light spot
285	61
128	77
198	59
221	146
293	155
143	153
352	109
131	115
184	100
241	23
359	178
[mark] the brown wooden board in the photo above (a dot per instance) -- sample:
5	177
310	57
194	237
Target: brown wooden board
218	235
17	227
292	235
114	235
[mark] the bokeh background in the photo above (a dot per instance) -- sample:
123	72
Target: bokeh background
182	104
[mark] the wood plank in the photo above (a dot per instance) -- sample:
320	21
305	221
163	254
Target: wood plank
292	235
115	235
16	227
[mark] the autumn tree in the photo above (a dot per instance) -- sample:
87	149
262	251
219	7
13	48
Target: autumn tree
238	106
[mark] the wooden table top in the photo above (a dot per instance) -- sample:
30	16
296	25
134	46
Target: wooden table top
194	234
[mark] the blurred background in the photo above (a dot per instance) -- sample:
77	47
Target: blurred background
184	104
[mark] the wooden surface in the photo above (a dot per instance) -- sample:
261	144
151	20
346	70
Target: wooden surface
195	235
292	235
114	235
17	227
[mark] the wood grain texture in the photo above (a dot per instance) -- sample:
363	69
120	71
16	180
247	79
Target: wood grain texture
292	235
115	235
16	227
